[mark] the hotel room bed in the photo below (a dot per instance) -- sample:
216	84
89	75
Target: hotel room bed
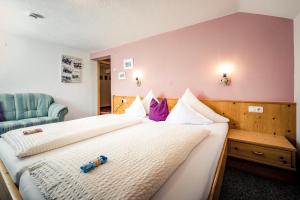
191	180
15	165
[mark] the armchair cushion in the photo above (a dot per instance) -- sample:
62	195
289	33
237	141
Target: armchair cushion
1	114
57	110
38	121
7	104
11	125
30	105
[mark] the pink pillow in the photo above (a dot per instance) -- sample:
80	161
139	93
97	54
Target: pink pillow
158	111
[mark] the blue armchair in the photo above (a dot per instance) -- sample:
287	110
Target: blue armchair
29	109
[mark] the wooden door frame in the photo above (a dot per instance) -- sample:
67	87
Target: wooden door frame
98	88
99	61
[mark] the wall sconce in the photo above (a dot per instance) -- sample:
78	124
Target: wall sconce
138	75
225	69
225	81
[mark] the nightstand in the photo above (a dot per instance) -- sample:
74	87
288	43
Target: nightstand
262	148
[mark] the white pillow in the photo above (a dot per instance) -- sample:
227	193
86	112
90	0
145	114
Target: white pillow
183	114
147	101
136	108
189	99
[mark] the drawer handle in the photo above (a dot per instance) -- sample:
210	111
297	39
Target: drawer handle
235	148
284	161
258	153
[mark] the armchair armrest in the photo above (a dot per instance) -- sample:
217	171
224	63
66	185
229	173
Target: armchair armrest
57	110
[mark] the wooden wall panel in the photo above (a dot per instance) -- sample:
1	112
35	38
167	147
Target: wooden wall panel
277	118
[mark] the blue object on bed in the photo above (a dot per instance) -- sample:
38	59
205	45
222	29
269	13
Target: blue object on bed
93	164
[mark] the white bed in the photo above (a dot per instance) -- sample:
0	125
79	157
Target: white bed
191	180
16	166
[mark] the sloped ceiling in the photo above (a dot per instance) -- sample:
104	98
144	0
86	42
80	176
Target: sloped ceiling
101	24
279	8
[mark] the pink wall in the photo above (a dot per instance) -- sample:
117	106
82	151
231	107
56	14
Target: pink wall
260	47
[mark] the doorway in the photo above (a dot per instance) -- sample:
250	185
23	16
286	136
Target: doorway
104	86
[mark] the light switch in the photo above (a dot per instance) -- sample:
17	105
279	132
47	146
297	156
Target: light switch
256	109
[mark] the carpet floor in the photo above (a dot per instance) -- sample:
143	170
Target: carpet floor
238	185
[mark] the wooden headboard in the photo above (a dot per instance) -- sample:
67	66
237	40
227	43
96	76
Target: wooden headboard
276	119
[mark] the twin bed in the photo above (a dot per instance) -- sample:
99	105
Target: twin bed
145	161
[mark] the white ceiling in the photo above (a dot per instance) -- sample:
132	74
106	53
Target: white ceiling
279	8
101	24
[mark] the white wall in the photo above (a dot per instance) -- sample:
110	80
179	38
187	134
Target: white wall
297	74
28	65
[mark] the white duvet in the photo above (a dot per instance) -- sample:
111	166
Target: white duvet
140	160
64	133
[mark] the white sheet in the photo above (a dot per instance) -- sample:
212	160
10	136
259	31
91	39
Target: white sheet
60	134
192	180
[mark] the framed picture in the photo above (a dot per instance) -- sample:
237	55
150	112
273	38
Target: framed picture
128	63
70	69
122	76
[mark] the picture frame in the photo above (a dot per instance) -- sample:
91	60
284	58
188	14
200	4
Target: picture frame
71	68
121	75
128	63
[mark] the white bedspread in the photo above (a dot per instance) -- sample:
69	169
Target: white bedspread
141	158
63	133
191	180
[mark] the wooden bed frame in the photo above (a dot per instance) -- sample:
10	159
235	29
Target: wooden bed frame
277	118
219	174
8	189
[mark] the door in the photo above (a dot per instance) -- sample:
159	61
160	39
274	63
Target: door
104	86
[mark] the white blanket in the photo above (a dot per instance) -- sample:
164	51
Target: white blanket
63	133
140	159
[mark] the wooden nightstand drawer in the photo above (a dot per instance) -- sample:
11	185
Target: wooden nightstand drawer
267	155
